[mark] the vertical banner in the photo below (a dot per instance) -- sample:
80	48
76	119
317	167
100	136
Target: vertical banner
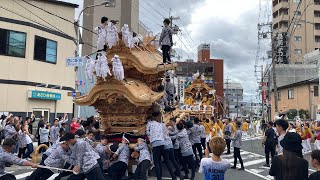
182	87
264	91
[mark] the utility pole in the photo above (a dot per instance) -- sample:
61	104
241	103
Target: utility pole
274	78
227	95
237	106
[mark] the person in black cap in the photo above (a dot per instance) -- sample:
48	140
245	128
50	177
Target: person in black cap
269	143
290	165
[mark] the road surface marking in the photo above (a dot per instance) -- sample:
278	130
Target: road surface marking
20	176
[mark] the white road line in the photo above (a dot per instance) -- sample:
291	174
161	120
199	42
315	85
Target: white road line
250	163
257	170
256	174
21	176
231	155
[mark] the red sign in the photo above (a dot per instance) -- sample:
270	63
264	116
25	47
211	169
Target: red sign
264	92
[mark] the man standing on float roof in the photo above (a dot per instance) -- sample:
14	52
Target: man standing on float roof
165	41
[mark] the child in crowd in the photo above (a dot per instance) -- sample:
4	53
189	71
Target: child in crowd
214	167
315	162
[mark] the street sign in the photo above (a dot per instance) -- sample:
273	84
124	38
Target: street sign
74	62
74	94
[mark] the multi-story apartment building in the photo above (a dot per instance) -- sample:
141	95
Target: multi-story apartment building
33	76
301	21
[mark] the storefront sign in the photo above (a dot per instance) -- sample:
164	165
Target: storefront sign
264	91
44	95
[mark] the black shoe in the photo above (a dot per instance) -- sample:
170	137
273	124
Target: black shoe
241	169
233	167
186	176
161	64
266	165
227	153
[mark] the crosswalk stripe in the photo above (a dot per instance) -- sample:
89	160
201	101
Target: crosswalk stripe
21	176
250	163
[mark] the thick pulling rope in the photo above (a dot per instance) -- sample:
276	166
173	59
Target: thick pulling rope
59	169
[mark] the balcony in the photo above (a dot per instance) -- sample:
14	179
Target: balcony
281	17
282	4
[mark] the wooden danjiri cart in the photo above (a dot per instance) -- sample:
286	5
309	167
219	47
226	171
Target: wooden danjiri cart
124	105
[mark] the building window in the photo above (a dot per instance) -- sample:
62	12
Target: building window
12	43
279	95
317	39
298	51
45	50
297	25
316	13
297	13
317	2
316	90
291	94
317	26
297	38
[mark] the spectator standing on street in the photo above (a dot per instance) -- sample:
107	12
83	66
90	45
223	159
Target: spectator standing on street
269	142
227	133
44	136
9	129
30	121
74	126
315	162
290	165
292	128
54	131
237	142
63	120
214	167
28	141
281	126
165	41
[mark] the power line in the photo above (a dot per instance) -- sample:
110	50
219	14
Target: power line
183	24
59	17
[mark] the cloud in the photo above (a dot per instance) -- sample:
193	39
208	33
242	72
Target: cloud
230	27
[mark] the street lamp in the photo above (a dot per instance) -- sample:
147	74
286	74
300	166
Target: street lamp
106	3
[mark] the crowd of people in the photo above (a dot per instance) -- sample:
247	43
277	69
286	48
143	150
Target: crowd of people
183	145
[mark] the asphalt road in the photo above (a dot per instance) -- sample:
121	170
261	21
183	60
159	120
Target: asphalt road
252	154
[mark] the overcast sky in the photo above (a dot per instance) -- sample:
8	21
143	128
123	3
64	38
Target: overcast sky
230	26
